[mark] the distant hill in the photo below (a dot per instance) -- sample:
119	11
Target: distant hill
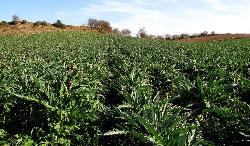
42	26
216	37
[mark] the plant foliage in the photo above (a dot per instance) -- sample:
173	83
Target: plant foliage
73	88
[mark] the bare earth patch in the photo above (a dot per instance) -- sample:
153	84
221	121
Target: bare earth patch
217	37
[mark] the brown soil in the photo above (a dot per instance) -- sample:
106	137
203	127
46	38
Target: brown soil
217	37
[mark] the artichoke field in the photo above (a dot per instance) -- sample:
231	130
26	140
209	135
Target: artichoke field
75	88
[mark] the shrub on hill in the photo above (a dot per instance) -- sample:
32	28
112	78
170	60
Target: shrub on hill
213	33
204	33
40	23
142	33
116	31
3	23
15	18
167	37
126	32
175	37
13	22
92	23
24	22
104	27
184	36
195	35
100	25
59	24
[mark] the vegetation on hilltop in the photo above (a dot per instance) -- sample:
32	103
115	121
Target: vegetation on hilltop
16	26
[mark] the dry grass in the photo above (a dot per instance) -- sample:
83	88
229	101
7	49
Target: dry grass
30	29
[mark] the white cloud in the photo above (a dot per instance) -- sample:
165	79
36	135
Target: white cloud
172	16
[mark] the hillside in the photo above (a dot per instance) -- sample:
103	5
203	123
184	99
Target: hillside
78	88
29	28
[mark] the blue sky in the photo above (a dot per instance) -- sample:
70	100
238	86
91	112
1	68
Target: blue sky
157	16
